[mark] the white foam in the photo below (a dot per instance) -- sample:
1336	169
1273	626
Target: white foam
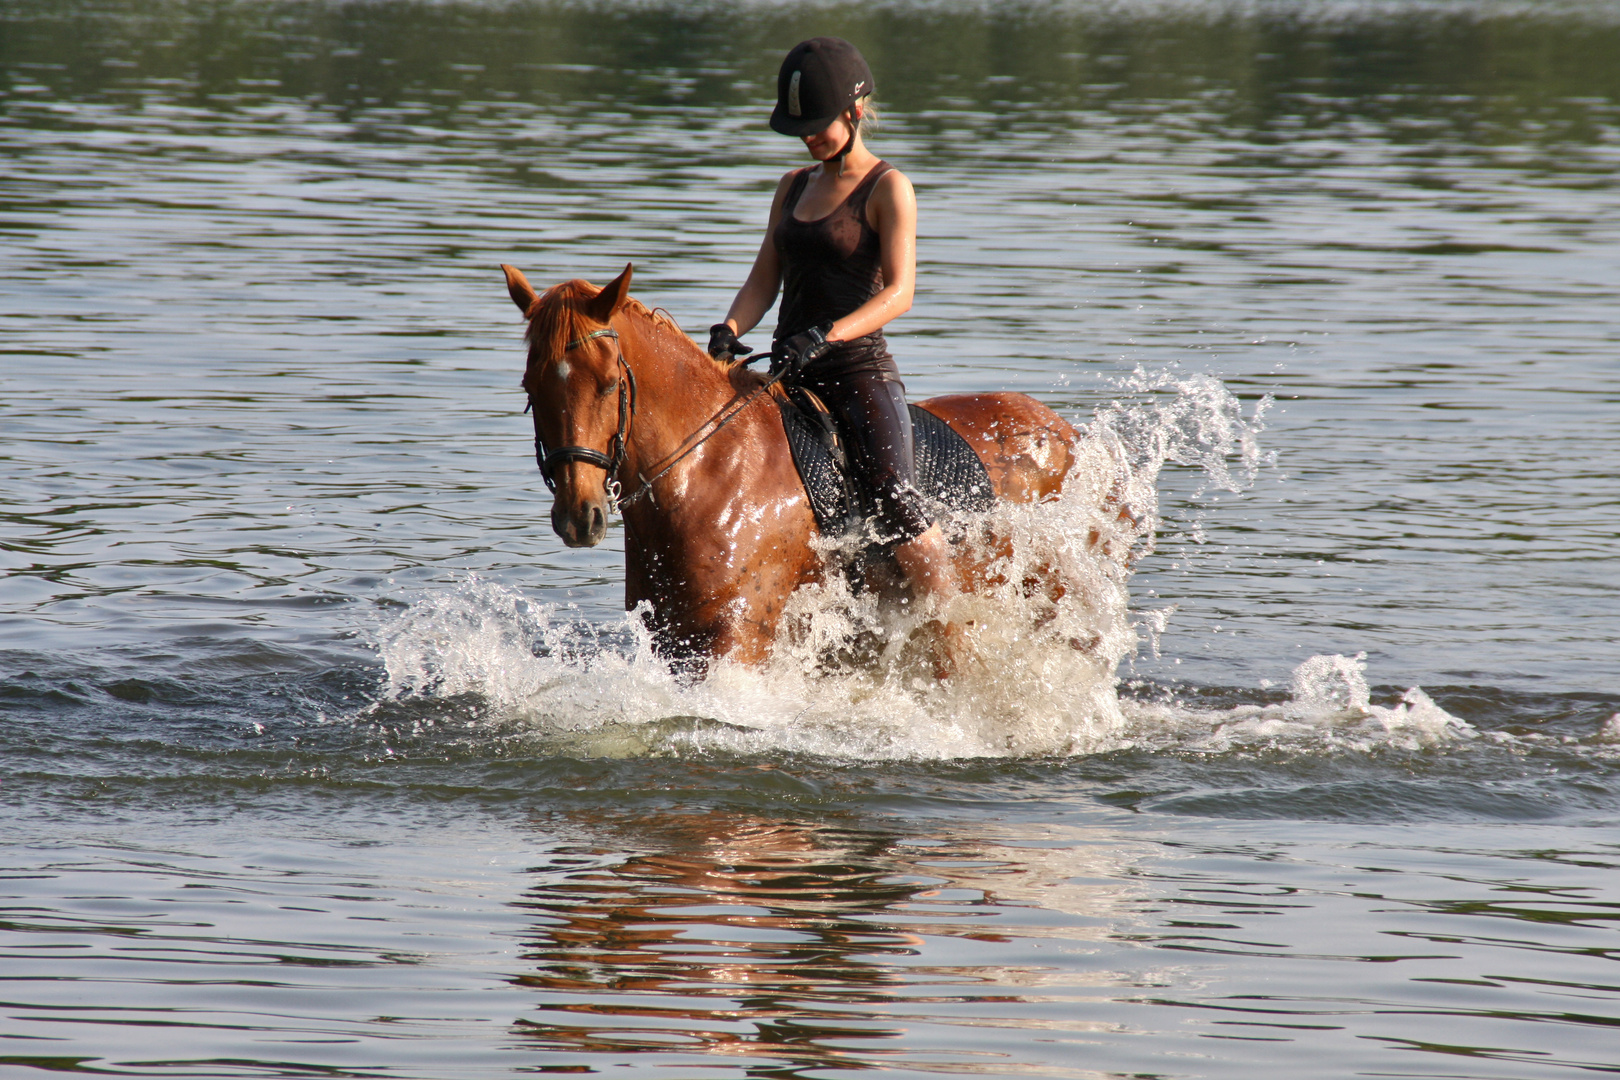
1609	731
852	677
1330	710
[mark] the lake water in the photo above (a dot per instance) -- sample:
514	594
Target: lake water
320	756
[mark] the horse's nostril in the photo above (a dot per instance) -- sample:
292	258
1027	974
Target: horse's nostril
598	521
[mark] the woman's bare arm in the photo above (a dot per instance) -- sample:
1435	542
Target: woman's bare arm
758	293
893	213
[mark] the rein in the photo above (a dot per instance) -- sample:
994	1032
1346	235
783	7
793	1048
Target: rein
719	420
619	445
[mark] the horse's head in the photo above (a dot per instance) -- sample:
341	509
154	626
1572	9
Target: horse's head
582	394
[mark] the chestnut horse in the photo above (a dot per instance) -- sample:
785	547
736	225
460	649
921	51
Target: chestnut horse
692	450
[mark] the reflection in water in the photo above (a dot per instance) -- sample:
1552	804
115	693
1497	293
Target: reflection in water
706	943
778	947
769	917
772	940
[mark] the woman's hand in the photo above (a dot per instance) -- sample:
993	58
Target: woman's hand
723	343
798	352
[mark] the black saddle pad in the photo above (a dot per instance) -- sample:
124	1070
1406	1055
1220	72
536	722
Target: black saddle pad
949	474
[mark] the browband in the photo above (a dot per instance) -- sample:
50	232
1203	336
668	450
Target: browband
577	342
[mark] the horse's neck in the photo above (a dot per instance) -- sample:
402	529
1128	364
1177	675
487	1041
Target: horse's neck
678	386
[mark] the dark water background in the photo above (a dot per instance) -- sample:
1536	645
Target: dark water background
258	412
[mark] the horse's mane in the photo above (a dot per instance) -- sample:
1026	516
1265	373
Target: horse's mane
555	319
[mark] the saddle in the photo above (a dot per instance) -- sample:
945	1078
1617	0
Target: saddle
950	475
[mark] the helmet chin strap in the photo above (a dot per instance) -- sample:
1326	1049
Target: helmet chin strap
854	133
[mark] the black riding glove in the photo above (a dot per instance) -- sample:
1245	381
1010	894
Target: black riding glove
723	343
794	354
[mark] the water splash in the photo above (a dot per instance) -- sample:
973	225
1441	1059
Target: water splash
1333	682
1192	420
558	671
851	676
1329	709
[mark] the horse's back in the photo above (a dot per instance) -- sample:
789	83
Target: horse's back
1026	448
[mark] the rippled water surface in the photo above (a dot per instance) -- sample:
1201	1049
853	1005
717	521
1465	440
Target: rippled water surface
321	756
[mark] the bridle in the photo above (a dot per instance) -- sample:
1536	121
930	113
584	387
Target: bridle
619	445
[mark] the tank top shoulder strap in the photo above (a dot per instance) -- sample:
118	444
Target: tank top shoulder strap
795	190
863	190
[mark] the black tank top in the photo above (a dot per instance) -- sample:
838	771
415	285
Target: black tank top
830	267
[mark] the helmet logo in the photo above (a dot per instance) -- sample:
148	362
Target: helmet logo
793	95
858	87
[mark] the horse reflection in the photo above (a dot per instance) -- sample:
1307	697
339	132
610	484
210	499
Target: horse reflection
736	937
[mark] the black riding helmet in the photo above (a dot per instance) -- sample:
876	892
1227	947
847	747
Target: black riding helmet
819	80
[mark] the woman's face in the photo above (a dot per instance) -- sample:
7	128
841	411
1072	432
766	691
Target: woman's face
831	139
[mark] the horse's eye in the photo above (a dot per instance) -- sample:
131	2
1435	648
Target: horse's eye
610	387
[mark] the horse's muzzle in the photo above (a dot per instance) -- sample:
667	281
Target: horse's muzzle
582	525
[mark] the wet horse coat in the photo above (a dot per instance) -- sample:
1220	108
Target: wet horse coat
718	527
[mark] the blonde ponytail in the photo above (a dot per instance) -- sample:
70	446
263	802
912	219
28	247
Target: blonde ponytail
869	115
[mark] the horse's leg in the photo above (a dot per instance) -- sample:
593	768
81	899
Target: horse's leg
735	623
717	569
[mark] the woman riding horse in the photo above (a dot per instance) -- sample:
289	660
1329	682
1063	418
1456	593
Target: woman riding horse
841	247
718	526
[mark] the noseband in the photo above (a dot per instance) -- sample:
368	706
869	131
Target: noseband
619	445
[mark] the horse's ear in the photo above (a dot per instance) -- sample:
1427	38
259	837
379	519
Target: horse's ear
523	294
605	303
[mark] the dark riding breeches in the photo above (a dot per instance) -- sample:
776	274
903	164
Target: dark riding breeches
871	411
